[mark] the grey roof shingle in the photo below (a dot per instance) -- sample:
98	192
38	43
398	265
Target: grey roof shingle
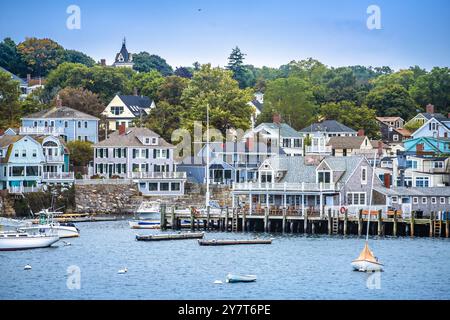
285	129
327	126
136	103
424	192
130	139
346	142
14	77
61	113
296	169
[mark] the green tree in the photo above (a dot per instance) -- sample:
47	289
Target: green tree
171	89
82	100
9	101
78	57
184	72
293	99
405	78
242	74
164	119
391	100
353	116
10	59
41	55
147	83
433	87
81	153
227	103
144	62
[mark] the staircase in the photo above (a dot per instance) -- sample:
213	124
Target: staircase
335	225
234	222
437	228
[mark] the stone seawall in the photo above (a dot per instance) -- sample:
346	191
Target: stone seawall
107	199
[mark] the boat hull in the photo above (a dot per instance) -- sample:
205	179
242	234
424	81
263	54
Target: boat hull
366	266
61	231
25	243
240	278
144	224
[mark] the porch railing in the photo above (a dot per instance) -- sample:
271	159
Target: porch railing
41	130
256	186
47	176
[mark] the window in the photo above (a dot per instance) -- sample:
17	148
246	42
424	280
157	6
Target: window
66	124
433	200
16	153
286	143
175	186
18	171
164	186
424	200
394	199
79	124
35	124
422	182
24	153
395	138
116	110
416	200
438	164
153	186
297	143
356	198
324	177
85	124
363	175
442	200
33	171
154	141
147	140
34	153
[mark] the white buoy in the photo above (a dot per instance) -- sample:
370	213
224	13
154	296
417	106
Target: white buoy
122	271
27	267
218	282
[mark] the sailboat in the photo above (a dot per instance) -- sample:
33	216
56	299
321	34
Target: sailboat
367	262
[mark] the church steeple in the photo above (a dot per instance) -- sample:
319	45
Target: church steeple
124	58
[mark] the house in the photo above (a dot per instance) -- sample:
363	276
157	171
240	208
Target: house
421	171
310	184
429	145
278	137
349	146
28	163
318	135
123	59
142	155
392	130
230	162
393	122
23	85
64	122
422	201
423	117
124	110
434	127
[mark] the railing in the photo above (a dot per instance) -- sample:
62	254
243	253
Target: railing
353	210
158	175
318	149
41	130
255	186
54	158
21	189
103	181
46	176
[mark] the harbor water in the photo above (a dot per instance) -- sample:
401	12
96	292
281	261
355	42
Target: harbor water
292	267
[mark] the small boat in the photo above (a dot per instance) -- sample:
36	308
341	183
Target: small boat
10	241
48	225
233	278
144	224
233	242
170	236
367	262
148	210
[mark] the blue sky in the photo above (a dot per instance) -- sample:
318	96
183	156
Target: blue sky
270	32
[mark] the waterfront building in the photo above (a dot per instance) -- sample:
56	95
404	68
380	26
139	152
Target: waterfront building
124	110
28	163
141	155
64	122
318	135
311	184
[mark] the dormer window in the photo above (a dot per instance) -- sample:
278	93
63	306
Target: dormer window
154	141
324	176
147	141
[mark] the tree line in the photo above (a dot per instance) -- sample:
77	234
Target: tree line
301	91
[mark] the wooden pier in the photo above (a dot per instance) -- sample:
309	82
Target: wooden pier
390	223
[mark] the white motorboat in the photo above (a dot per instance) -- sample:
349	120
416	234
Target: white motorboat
48	225
10	241
148	210
144	224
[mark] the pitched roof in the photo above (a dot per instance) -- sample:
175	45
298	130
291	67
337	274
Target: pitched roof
136	103
404	132
61	113
388	119
130	139
437	116
285	129
6	140
125	54
258	105
14	77
327	126
296	169
346	142
343	164
415	191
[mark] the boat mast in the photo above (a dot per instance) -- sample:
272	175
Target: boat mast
371	196
207	156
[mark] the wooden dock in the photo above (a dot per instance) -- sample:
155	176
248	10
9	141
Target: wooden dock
331	223
234	242
170	236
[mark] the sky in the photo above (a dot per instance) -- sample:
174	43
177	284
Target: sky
269	32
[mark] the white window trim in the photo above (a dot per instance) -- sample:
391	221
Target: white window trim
364	182
424	200
433	200
394	199
442	200
415	200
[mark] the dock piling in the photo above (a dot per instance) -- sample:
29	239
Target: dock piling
329	222
447	227
394	230
380	223
412	224
163	217
345	221
432	217
173	220
305	222
226	219
360	225
266	220
192	219
283	224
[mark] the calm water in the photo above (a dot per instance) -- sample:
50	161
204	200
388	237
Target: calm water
293	267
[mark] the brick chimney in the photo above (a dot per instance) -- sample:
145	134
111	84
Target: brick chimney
380	148
361	133
58	101
122	129
419	147
276	118
103	62
430	108
387	180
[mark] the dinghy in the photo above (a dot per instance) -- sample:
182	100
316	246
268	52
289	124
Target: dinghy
233	278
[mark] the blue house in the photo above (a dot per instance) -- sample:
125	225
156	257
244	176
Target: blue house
64	122
427	144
